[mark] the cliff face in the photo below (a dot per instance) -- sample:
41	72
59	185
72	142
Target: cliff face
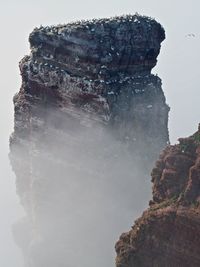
87	111
168	233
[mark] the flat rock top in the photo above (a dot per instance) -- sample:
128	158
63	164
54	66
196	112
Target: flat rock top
126	41
118	27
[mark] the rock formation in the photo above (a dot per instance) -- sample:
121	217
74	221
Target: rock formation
88	114
168	233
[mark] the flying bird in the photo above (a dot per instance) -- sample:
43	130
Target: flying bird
190	35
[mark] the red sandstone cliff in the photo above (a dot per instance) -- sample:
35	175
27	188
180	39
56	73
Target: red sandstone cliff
168	233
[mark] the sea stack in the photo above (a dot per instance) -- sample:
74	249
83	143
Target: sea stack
90	119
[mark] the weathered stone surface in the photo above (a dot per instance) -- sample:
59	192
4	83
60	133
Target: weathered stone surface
100	48
88	117
168	233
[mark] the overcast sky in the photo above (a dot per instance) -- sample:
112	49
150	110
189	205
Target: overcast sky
178	66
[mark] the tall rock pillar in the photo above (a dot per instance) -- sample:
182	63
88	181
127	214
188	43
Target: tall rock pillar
90	119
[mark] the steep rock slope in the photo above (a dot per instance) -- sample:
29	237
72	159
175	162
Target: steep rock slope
86	112
168	233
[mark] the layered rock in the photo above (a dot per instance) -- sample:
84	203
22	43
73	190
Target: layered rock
168	233
88	114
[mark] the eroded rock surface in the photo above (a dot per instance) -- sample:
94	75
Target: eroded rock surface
168	233
90	118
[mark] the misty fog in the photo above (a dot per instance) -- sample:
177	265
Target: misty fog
86	188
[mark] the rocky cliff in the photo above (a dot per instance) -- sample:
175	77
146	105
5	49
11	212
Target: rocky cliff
168	233
89	113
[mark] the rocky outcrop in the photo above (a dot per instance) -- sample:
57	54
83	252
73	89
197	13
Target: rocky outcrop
168	233
88	113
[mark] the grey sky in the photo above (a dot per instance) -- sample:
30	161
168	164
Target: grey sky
178	66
